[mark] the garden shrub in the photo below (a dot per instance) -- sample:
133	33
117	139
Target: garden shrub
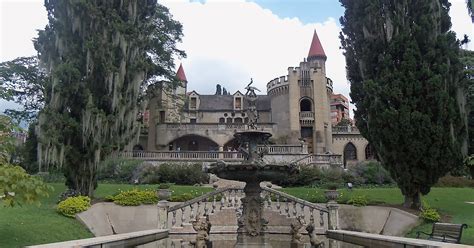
307	176
73	205
317	198
134	197
182	198
369	173
358	200
51	177
178	173
429	214
456	182
118	169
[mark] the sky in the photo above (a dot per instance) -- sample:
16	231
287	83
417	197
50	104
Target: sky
227	41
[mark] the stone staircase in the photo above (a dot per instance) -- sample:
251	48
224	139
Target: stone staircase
223	207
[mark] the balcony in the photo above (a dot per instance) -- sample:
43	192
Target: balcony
306	118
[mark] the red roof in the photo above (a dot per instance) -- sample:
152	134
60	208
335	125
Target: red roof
180	73
316	49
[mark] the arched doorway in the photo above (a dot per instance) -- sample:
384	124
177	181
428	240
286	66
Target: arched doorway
350	153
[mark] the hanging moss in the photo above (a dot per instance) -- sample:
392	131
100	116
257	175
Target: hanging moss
100	56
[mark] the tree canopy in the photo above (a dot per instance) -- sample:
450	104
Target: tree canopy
99	57
16	186
25	82
406	83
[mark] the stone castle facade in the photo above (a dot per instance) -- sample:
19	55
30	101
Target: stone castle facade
298	107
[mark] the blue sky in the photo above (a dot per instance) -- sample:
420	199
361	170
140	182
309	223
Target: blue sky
308	11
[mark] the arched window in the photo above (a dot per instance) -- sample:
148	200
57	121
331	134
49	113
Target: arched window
238	120
305	105
229	120
221	120
369	152
350	152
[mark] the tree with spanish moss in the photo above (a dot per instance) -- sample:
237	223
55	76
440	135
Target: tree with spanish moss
99	57
408	89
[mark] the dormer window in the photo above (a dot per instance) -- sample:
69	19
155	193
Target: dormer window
238	103
193	102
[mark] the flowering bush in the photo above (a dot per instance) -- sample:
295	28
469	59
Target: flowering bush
429	214
134	197
73	205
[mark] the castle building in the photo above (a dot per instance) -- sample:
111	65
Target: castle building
298	107
339	108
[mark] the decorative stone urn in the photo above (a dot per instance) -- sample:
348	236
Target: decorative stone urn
331	195
163	194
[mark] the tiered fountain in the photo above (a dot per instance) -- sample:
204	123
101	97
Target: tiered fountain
253	170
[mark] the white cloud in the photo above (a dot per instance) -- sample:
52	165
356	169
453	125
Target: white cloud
227	42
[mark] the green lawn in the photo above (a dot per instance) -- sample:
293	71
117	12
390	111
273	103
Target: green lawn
30	224
449	201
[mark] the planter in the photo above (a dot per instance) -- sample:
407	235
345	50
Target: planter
331	195
163	194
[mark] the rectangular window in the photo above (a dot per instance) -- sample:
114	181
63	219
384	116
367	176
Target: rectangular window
238	103
192	121
193	103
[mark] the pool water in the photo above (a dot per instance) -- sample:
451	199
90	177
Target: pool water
229	240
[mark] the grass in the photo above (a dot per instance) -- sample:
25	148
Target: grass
31	225
448	201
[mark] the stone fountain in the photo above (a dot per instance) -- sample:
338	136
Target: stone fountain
253	170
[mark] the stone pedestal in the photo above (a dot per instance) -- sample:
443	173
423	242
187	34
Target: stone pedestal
251	224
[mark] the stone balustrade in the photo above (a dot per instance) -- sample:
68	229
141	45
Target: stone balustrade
306	115
210	203
181	156
215	126
292	154
345	129
297	208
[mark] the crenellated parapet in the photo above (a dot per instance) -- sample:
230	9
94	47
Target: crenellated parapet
278	86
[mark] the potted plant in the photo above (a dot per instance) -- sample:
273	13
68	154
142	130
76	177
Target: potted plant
332	194
164	192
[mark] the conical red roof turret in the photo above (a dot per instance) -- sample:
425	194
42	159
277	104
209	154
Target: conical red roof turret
180	74
316	50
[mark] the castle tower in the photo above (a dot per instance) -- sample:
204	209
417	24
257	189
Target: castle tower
304	99
165	106
316	55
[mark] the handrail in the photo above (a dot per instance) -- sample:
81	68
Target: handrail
201	198
295	199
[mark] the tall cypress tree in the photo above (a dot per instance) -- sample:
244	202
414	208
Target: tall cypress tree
99	57
405	75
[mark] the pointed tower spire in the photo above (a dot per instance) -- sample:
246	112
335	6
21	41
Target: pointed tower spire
316	50
180	73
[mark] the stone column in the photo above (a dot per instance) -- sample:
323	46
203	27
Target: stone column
163	207
221	155
333	216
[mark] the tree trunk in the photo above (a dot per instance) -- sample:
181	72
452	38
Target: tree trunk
83	181
413	200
